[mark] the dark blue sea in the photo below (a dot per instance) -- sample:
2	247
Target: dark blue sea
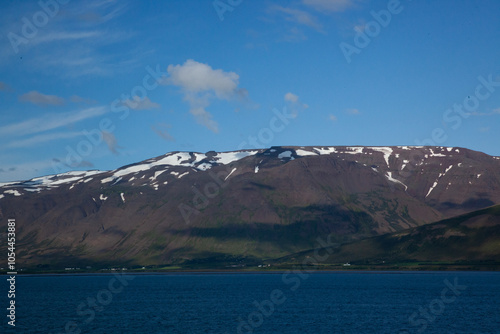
340	302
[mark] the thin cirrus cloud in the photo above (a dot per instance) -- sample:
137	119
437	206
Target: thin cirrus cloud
40	139
59	36
162	130
333	6
493	112
51	121
41	99
353	111
137	103
298	16
200	84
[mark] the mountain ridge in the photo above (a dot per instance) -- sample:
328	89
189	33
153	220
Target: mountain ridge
257	203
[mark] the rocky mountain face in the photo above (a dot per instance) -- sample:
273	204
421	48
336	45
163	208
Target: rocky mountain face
254	204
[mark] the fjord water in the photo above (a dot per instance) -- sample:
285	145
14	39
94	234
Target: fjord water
341	302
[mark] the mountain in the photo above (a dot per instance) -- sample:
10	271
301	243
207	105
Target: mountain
247	205
469	239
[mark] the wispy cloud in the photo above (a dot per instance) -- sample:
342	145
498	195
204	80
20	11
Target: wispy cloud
162	130
51	121
4	86
353	111
493	112
332	118
79	41
200	84
41	99
111	141
333	6
298	16
59	36
294	104
79	99
41	139
137	103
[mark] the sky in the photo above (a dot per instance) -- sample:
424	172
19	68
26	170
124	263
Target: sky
100	84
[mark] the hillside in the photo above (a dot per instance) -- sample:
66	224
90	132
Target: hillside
247	205
469	239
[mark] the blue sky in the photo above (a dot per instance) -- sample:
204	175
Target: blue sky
100	84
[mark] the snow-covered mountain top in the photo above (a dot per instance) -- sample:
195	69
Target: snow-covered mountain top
180	164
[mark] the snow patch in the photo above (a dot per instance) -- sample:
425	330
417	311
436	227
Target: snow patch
158	173
405	162
354	150
204	166
389	176
432	188
436	154
256	169
228	175
183	174
325	151
228	157
123	197
33	189
303	153
102	198
387	151
13	192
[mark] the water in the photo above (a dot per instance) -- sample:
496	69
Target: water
382	302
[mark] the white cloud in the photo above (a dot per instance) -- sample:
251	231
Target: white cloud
290	97
294	103
353	111
197	78
41	99
137	103
331	5
51	121
298	16
200	84
111	141
332	118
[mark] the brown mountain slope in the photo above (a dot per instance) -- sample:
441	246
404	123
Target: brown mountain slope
257	204
470	238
